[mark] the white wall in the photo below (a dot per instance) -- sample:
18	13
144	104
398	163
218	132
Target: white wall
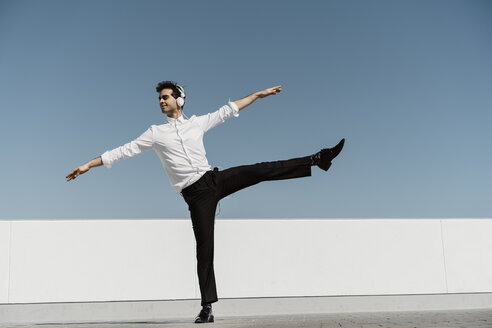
4	260
109	260
468	255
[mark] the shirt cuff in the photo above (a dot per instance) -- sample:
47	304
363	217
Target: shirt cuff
105	160
235	109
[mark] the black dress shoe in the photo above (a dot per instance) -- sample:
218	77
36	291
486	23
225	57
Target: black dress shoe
325	156
205	315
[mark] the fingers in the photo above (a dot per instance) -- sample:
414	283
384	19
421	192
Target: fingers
72	175
69	175
269	91
276	89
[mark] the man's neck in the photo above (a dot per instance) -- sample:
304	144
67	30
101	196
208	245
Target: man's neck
175	115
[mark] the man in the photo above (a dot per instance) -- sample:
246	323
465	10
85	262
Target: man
179	145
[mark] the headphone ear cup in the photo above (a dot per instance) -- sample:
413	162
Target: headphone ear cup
180	101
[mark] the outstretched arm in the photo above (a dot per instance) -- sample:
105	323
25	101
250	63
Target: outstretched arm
130	149
243	102
84	168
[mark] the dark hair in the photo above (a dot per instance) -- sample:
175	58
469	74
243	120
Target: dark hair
169	85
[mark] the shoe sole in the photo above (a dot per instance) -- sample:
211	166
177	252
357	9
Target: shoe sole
211	320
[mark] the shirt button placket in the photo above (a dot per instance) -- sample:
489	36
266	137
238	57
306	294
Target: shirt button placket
183	145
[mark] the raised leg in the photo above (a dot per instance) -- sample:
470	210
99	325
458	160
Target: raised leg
240	177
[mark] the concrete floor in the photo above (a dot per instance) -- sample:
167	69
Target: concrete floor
480	318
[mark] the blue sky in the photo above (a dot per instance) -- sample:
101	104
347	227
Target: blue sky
407	83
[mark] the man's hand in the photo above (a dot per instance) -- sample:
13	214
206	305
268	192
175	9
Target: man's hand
269	92
78	171
246	101
84	168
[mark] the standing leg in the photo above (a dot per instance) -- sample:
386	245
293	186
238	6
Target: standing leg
202	203
203	219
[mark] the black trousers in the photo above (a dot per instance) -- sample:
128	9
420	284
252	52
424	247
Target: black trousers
203	196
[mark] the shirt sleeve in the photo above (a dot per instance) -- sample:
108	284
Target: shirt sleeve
143	143
211	120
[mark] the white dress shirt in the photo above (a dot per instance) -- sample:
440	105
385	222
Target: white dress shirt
178	143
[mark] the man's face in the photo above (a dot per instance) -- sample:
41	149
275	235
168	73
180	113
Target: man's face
167	101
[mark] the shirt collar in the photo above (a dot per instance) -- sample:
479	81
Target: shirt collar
180	119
